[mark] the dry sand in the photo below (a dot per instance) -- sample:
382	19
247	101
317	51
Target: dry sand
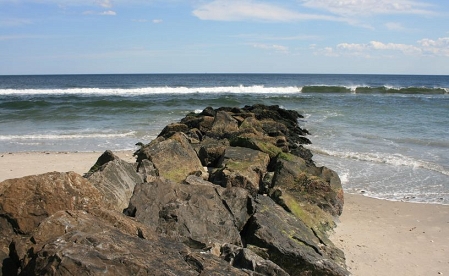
13	165
382	237
378	237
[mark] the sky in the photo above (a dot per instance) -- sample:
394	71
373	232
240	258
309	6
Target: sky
224	36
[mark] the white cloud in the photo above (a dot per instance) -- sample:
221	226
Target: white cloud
233	10
276	48
259	37
157	21
405	48
439	47
367	7
352	47
104	3
108	13
329	52
380	46
429	47
100	13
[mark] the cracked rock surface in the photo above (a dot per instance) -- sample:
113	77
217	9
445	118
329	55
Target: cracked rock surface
228	191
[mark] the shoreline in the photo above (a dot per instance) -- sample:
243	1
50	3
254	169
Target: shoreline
379	237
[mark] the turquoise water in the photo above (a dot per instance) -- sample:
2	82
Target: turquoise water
386	135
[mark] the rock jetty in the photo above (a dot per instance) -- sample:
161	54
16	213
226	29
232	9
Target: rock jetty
228	191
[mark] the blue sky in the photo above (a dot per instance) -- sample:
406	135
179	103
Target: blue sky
219	36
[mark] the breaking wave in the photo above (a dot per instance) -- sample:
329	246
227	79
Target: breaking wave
395	159
241	89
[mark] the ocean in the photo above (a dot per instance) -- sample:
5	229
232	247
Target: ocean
387	136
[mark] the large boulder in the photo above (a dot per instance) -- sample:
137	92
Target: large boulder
200	214
290	243
210	151
241	167
319	186
82	243
26	201
224	124
115	179
173	158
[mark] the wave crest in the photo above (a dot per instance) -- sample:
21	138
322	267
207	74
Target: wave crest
241	89
382	158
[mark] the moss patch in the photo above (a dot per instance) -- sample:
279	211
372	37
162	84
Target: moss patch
310	214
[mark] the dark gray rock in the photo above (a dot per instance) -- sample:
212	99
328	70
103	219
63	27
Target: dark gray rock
8	265
115	179
90	245
190	213
171	129
290	243
173	158
246	259
211	151
319	186
224	125
241	167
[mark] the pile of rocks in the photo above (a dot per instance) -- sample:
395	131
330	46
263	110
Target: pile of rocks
229	191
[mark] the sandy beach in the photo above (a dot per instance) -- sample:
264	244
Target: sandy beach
379	237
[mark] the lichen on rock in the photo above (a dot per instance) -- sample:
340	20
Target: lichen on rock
228	191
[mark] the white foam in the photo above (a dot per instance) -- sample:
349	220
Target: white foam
344	178
353	88
395	159
255	89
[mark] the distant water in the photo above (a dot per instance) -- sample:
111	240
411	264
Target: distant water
386	135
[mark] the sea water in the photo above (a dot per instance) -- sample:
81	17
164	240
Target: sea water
387	136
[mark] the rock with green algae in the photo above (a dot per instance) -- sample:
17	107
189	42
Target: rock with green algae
241	167
283	169
270	218
290	243
173	158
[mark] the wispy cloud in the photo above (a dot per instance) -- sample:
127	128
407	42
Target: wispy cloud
272	47
109	12
429	47
104	3
154	21
232	10
17	37
395	26
370	7
277	38
14	22
376	45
